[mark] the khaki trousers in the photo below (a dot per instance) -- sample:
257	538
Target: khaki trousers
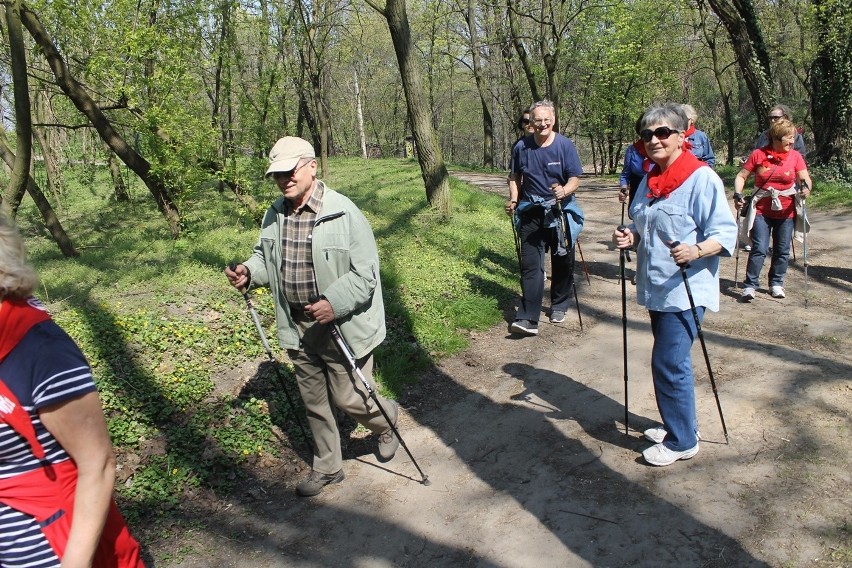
325	379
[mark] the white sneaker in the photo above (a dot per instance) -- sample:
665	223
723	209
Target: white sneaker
777	291
658	434
660	455
748	294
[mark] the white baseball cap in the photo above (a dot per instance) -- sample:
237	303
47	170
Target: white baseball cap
286	154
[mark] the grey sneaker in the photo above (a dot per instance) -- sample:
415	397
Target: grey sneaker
777	291
660	455
316	482
388	442
658	434
748	294
524	327
557	316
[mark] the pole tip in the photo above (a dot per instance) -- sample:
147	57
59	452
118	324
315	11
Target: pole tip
426	481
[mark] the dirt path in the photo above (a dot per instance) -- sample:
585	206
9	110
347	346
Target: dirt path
523	441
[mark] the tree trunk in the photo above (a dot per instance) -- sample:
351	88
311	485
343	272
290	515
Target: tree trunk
740	21
522	52
487	120
101	123
831	77
118	185
23	120
432	167
51	221
359	113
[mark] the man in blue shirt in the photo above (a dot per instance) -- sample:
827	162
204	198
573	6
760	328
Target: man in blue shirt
777	113
545	174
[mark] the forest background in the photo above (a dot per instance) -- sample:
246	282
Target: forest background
140	130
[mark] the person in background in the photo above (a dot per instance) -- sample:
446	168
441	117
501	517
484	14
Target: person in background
780	177
680	218
697	141
525	126
779	112
57	467
636	165
545	175
314	242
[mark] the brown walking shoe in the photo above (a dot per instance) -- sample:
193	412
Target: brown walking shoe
316	482
388	442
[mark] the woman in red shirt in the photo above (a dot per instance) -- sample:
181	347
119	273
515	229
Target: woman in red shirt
780	175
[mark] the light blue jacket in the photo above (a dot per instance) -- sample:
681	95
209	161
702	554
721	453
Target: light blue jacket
694	212
346	267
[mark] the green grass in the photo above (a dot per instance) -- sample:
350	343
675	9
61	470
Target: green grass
166	336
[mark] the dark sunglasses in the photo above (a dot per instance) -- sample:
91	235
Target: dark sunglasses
525	121
289	173
661	133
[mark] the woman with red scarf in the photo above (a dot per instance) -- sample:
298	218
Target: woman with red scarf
680	218
57	467
772	210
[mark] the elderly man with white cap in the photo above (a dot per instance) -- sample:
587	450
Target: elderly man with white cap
314	242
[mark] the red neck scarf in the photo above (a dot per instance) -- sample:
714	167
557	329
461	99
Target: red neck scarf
687	145
16	319
774	157
661	184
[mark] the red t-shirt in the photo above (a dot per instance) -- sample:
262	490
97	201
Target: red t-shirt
771	175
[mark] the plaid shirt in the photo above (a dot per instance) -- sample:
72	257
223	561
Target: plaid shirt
297	264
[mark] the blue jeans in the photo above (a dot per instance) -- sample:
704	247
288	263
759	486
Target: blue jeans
782	233
671	367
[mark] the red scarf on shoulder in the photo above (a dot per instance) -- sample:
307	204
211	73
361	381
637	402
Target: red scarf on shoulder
16	319
647	164
687	145
661	184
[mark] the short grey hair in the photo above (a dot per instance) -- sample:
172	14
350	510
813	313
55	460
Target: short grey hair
17	278
668	113
543	103
689	110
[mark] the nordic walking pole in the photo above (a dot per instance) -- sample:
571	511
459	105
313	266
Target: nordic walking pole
583	261
737	254
683	268
350	357
805	243
517	251
269	354
567	238
622	257
626	252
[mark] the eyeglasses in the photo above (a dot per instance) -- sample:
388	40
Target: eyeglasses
776	116
525	121
542	121
289	173
661	132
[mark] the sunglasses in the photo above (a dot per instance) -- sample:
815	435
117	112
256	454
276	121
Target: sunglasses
289	173
775	117
661	133
525	121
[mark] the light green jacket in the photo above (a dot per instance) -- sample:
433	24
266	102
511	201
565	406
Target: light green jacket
346	267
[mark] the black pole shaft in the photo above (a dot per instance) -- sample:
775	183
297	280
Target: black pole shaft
274	362
518	253
621	261
703	344
344	348
567	238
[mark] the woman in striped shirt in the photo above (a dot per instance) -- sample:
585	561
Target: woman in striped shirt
57	467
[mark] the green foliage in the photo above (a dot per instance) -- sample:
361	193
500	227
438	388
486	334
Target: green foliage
167	338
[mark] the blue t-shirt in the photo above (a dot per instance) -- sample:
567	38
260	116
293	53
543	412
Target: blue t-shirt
541	167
